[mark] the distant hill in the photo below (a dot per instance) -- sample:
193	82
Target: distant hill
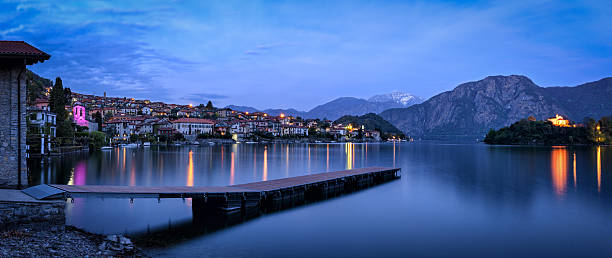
370	121
35	86
273	112
291	112
349	106
345	106
242	108
472	108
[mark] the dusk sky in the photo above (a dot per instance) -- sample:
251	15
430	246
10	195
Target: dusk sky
281	54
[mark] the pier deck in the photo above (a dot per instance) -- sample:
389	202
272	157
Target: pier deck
297	181
273	193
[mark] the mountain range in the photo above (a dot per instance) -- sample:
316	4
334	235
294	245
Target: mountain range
472	108
345	106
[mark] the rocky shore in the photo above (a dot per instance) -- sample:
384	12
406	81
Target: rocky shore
64	242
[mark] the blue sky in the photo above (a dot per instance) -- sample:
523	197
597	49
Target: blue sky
281	54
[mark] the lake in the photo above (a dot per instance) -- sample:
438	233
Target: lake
452	199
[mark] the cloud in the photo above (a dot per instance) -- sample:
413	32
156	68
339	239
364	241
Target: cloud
4	33
252	52
261	49
270	46
205	96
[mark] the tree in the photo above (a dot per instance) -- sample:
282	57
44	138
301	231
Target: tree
209	105
98	119
58	106
57	101
67	96
97	140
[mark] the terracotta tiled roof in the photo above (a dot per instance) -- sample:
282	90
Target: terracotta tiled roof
193	120
21	49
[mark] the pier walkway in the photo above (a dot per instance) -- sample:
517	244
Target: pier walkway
271	193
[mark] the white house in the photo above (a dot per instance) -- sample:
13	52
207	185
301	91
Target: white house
193	126
43	118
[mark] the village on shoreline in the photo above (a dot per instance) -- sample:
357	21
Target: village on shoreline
101	121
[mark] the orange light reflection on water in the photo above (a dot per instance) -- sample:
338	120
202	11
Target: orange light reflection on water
598	168
232	171
327	158
559	169
574	170
265	164
287	161
190	169
393	153
348	150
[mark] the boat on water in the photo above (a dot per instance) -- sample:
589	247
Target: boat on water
251	142
146	144
177	144
196	143
211	143
106	148
132	145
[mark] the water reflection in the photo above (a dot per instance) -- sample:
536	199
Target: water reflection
190	169
559	169
265	164
348	150
327	154
574	163
472	181
598	168
393	153
232	170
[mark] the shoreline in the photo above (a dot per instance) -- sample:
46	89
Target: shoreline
66	241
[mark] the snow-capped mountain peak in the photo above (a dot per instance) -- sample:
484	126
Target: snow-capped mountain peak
405	99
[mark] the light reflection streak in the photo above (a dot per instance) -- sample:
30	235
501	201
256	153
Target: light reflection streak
309	159
327	158
574	169
393	153
132	175
598	168
232	171
348	150
80	173
287	161
123	166
559	169
190	169
71	180
265	164
254	162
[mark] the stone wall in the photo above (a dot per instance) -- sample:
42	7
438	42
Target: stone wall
42	215
8	126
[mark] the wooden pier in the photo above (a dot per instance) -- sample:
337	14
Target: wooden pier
267	195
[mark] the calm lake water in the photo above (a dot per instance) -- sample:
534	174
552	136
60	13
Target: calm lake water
452	199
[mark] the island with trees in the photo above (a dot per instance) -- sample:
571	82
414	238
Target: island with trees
554	131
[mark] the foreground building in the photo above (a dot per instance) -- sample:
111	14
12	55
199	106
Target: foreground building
14	57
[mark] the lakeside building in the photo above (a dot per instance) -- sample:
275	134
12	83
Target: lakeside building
43	120
193	126
560	121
